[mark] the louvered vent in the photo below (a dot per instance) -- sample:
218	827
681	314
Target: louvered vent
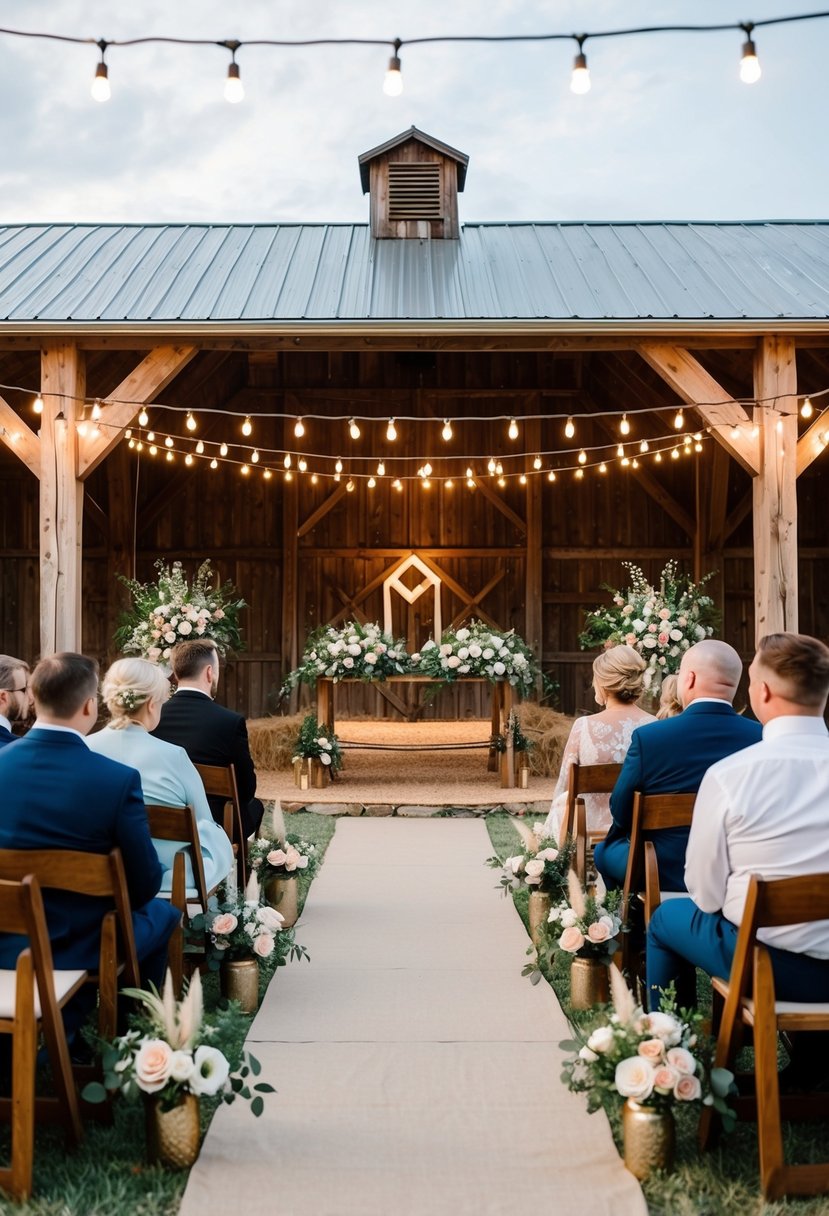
414	190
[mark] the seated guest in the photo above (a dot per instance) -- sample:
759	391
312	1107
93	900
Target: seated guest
669	704
57	794
134	692
671	757
602	738
209	733
762	811
15	697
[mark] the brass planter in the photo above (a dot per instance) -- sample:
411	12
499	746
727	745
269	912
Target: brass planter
589	983
539	909
282	893
649	1138
173	1136
239	981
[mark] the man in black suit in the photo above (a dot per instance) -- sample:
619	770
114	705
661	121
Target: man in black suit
15	697
209	733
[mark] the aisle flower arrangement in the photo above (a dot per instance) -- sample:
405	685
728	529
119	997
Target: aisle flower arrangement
171	610
477	649
280	859
520	742
354	651
541	867
659	621
315	742
585	926
245	928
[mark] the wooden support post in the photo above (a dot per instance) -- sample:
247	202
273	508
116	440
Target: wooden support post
63	387
290	573
775	488
533	622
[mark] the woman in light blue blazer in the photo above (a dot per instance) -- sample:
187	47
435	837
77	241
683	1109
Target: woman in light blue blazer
134	691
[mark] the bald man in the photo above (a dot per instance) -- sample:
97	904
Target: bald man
672	757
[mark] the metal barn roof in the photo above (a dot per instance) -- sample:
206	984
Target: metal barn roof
139	274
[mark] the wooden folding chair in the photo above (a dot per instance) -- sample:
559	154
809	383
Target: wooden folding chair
220	782
31	998
747	1000
651	812
100	875
179	823
585	779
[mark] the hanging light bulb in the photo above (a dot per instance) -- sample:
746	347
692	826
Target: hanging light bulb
96	410
188	459
603	467
128	433
582	457
513	429
393	81
153	449
698	446
314	479
234	89
625	462
139	447
287	460
349	485
427	485
244	470
687	441
579	474
150	435
338	467
522	480
288	474
620	451
750	71
302	464
190	422
214	464
491	466
658	458
254	457
143	418
100	84
397	483
223	450
447	430
338	477
537	462
200	448
679	420
247	427
570	428
353	429
499	468
267	474
470	483
299	428
381	469
37	406
551	476
391	431
624	425
502	481
580	76
644	446
132	443
675	454
371	483
168	442
449	483
170	457
806	409
427	469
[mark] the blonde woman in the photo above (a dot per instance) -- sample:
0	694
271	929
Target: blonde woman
602	738
134	692
669	703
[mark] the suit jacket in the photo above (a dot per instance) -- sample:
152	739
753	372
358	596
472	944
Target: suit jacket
671	757
210	734
6	736
57	794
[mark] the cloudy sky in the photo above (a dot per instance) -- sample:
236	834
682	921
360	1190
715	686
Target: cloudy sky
667	131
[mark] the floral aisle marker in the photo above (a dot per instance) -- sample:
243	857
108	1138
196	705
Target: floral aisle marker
479	650
172	610
315	742
355	651
661	622
586	927
277	865
542	868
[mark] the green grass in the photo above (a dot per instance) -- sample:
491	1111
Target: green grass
108	1175
722	1183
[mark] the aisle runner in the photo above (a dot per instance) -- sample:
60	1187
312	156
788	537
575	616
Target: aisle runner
417	1071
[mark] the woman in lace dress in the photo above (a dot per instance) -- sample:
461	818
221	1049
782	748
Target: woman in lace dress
602	738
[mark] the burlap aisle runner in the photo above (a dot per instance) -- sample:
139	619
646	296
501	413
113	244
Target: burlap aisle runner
417	1071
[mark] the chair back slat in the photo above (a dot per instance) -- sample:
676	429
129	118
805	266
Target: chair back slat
790	901
586	779
219	781
179	823
659	811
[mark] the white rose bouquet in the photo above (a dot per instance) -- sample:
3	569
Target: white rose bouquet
174	1049
172	610
244	927
661	622
657	1058
315	742
542	867
355	651
278	859
479	650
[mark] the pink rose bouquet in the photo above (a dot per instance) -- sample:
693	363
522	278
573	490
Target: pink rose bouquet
542	866
245	927
584	925
283	858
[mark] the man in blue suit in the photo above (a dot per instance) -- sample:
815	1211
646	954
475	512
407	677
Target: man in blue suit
15	697
672	756
57	794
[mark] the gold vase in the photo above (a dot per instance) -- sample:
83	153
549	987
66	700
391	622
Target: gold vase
239	981
589	983
282	893
173	1136
539	909
319	774
649	1138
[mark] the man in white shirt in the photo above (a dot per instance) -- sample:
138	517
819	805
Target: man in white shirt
15	697
763	810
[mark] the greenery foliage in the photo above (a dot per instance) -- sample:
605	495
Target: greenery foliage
479	650
172	610
355	651
281	859
315	743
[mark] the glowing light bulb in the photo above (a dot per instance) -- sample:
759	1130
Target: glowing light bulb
570	428
128	433
143	418
625	462
603	467
491	466
170	457
247	427
470	483
750	71
469	473
580	76
427	485
397	483
349	485
302	464
100	84
658	458
338	467
449	483
537	462
188	459
391	431
513	429
381	469
150	436
522	480
806	409
679	420
267	474
299	428
254	457
287	460
447	430
644	446
624	425
244	470
338	477
214	464
371	483
393	80
687	441
502	481
353	429
582	457
314	479
499	468
200	448
96	410
288	474
234	89
620	451
675	454
132	443
551	476
223	450
153	449
190	422
697	447
139	447
427	469
38	404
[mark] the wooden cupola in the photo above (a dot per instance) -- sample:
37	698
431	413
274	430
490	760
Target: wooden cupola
413	182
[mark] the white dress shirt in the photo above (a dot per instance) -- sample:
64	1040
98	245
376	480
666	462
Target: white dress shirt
764	811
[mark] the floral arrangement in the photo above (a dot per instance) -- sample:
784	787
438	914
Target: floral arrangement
656	1058
315	743
276	858
244	927
172	610
355	651
541	867
479	650
520	742
660	622
584	925
173	1049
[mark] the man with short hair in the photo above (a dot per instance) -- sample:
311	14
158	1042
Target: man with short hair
209	733
15	697
671	757
763	811
57	794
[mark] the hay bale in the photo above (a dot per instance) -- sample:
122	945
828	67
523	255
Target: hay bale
549	732
272	741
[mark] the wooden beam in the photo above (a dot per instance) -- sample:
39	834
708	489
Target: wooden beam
533	582
718	497
61	500
118	409
290	574
19	437
775	488
322	510
503	507
737	515
693	384
813	441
